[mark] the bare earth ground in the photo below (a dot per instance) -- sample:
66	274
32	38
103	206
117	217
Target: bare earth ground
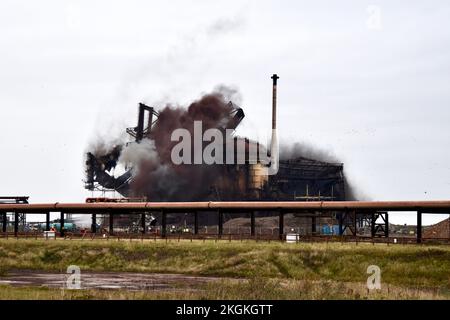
105	280
117	285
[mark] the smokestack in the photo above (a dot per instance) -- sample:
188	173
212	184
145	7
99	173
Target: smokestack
274	101
274	151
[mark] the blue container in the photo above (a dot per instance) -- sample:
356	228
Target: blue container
326	229
336	229
330	230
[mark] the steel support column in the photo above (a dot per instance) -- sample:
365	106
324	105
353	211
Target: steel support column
372	224
280	224
313	224
111	223
5	222
143	223
419	226
16	224
252	223
386	220
62	224
47	221
220	222
94	223
340	218
163	224
196	222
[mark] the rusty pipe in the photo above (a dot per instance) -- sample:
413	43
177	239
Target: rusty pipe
424	206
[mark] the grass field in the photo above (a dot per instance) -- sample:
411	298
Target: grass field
254	289
273	270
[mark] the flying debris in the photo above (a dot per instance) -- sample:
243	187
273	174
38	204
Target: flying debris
150	173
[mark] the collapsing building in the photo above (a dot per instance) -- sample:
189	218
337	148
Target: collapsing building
148	171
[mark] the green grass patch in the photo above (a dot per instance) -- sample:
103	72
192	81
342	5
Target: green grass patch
408	266
253	289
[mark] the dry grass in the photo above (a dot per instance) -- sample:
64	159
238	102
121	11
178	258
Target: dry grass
318	270
254	289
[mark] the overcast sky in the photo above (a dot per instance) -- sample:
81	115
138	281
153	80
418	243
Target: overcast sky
368	81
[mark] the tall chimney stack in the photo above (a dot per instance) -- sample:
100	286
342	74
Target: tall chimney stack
274	101
274	151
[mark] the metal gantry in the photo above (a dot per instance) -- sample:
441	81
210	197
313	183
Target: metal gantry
350	214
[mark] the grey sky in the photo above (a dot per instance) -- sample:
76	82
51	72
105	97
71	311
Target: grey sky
378	99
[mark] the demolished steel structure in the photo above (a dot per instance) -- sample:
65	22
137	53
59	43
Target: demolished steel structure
298	178
98	168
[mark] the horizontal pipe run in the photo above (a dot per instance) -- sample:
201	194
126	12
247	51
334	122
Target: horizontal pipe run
242	206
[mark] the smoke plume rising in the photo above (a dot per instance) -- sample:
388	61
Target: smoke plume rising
149	161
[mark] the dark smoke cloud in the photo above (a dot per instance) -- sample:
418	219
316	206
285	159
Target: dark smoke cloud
159	179
305	150
350	191
229	93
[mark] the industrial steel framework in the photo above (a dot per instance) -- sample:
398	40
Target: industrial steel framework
19	218
347	211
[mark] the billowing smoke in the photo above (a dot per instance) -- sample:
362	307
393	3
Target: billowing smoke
305	150
161	179
297	149
137	153
152	172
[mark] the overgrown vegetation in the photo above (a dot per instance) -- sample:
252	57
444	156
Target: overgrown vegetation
254	289
309	266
